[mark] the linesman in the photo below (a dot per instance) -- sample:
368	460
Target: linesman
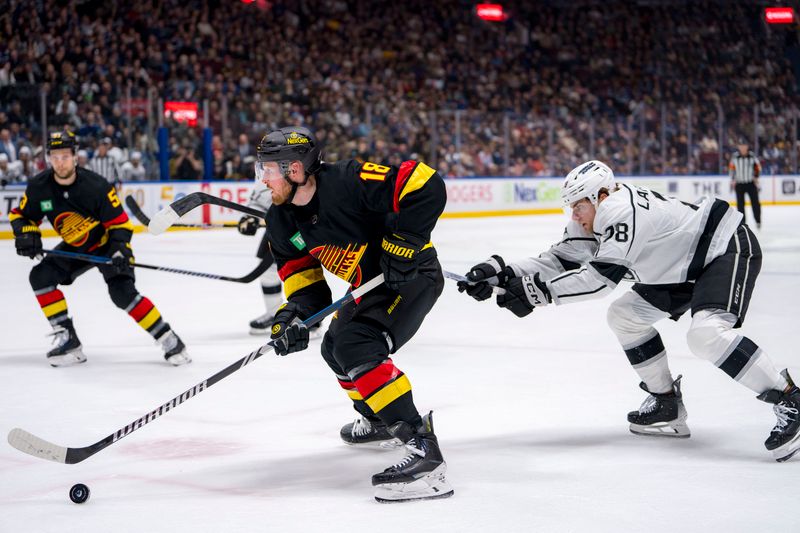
744	170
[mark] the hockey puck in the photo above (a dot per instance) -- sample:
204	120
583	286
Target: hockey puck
79	493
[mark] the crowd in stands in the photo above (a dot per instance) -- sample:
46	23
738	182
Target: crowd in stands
649	87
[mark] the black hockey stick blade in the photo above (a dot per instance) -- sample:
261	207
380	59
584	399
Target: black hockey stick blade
136	211
32	445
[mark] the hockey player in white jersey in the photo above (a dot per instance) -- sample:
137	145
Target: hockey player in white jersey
261	198
680	256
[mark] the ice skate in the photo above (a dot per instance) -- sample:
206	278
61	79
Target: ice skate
661	415
68	350
784	439
420	475
367	431
174	349
262	324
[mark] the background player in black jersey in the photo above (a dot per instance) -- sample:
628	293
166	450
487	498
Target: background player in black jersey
683	257
85	211
359	220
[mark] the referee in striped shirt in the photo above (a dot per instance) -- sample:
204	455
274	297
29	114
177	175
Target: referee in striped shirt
744	170
104	163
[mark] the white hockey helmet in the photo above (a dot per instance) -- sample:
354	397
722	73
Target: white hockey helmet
585	181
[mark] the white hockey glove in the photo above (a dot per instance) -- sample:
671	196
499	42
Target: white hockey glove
523	294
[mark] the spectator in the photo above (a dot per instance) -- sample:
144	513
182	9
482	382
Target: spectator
7	173
7	145
133	170
184	165
25	164
83	158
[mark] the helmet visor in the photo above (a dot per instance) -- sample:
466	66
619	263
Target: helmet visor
267	171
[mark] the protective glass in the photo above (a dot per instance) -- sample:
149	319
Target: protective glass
267	170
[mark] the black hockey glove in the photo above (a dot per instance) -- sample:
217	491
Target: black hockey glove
248	225
289	334
523	294
483	276
29	241
399	260
121	255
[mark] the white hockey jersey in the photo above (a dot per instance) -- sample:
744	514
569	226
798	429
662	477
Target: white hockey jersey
260	198
640	236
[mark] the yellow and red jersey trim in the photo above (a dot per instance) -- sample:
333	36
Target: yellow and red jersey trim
120	222
299	273
412	176
382	385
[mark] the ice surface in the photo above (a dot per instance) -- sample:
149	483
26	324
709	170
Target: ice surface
530	412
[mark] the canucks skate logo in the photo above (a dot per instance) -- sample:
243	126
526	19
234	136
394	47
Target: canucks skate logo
342	262
74	228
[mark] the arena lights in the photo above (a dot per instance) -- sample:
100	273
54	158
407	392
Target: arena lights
182	112
491	12
779	15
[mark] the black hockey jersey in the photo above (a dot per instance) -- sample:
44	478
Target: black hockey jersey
85	214
341	229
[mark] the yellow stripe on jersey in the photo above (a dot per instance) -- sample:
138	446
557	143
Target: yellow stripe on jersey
389	393
418	179
302	279
125	225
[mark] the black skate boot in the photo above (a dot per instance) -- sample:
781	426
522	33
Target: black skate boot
661	415
262	325
367	430
174	349
420	474
68	350
784	440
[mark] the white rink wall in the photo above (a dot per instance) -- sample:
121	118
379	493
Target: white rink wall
465	196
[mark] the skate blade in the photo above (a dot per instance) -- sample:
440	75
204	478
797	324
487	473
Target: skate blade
663	429
788	450
388	444
257	331
432	486
75	357
178	359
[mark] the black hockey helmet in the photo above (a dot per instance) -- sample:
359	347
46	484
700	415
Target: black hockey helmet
62	139
290	144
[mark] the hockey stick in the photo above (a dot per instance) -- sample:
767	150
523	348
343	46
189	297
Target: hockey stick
100	260
459	277
170	214
32	445
137	212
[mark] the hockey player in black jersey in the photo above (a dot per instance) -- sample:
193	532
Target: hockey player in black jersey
699	257
84	210
359	220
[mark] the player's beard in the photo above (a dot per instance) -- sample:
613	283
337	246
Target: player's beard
69	177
